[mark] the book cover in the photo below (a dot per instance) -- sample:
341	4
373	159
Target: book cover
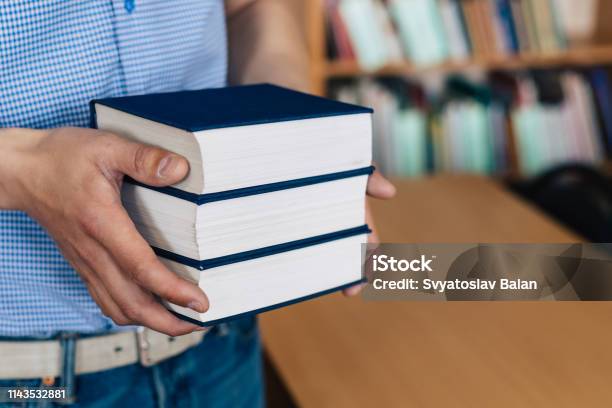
232	106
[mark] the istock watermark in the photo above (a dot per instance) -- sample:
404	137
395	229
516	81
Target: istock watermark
441	272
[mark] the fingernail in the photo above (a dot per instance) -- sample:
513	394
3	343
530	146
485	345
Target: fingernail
164	165
196	306
200	328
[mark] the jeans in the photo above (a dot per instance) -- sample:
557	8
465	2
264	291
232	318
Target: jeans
225	370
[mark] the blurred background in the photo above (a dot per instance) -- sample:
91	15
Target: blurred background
494	119
509	89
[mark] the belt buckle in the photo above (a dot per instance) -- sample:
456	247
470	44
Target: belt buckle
143	345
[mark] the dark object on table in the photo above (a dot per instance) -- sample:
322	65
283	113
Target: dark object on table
577	195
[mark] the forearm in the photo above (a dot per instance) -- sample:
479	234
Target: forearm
266	44
15	145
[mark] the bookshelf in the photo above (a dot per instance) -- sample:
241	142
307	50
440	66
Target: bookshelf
595	50
576	57
322	69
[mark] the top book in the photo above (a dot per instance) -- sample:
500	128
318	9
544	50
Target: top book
244	136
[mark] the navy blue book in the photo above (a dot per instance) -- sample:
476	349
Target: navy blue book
272	277
194	229
244	136
273	209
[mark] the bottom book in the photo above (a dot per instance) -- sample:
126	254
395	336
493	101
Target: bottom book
264	283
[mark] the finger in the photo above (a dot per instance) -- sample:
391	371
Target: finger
107	305
148	164
94	285
115	231
138	306
143	309
103	299
160	319
353	290
379	186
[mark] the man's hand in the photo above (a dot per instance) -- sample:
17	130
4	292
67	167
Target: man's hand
378	187
69	180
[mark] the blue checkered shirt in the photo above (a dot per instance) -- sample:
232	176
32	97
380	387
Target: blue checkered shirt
55	56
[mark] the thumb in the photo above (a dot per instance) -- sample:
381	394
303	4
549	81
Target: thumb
150	165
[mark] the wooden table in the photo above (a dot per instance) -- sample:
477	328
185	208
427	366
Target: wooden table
339	352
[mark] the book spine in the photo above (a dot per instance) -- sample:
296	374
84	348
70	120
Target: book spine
505	14
601	88
520	25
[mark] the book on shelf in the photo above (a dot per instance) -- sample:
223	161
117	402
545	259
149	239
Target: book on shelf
338	40
600	82
273	208
453	24
433	31
507	26
502	123
409	128
521	26
579	20
473	27
501	38
367	30
420	28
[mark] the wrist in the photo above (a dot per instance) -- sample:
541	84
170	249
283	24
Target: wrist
283	70
17	147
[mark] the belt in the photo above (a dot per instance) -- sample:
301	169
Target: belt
32	359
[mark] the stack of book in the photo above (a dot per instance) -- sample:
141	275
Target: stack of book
426	32
272	211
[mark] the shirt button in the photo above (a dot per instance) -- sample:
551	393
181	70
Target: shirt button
130	5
